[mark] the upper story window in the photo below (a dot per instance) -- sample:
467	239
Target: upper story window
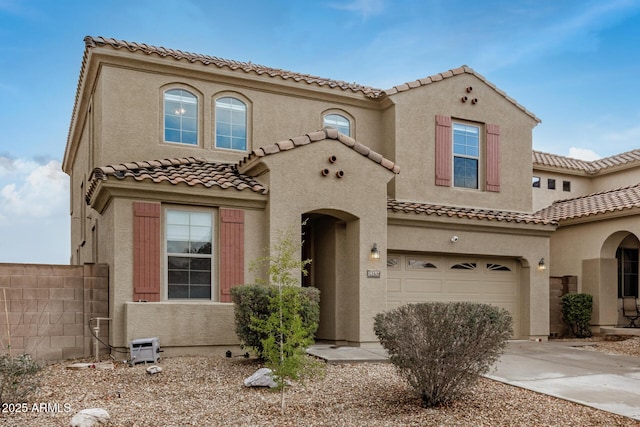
551	184
466	155
231	124
189	241
535	182
180	117
339	122
566	185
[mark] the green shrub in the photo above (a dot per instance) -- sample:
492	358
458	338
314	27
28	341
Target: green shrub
442	349
576	312
254	301
18	378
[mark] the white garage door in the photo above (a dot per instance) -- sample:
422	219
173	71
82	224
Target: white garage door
420	278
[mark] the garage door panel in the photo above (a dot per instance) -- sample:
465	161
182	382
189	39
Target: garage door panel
421	278
422	286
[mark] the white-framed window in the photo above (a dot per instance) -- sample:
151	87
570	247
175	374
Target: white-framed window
231	124
466	155
339	122
180	117
189	254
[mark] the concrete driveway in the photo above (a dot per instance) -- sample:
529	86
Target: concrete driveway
603	381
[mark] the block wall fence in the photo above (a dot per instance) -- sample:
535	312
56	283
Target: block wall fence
558	287
45	309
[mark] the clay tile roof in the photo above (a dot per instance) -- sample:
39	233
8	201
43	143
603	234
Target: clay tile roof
246	67
462	212
451	73
589	167
593	204
327	133
189	170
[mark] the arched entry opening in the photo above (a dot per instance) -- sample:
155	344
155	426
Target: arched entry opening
622	282
329	240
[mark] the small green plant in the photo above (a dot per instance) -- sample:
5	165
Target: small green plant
253	301
18	378
576	313
441	349
291	320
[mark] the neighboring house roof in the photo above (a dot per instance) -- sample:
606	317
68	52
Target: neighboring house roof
327	133
630	158
190	171
472	213
593	204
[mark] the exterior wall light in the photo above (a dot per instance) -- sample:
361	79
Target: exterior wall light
375	253
541	265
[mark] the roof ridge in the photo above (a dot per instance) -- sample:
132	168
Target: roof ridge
325	133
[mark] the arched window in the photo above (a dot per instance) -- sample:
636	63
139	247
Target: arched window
339	122
180	117
231	124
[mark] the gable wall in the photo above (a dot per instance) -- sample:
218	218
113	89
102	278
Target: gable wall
416	110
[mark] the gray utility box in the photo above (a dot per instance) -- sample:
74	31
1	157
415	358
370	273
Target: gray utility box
145	350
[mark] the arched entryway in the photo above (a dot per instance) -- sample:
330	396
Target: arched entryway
329	240
624	247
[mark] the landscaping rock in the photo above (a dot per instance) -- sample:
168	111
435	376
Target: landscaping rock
90	418
263	377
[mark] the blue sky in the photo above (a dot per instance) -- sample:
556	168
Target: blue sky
574	63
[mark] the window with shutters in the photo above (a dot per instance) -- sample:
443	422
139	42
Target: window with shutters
467	154
189	254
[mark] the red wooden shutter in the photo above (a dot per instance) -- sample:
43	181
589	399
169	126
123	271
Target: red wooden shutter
231	251
146	251
443	151
493	158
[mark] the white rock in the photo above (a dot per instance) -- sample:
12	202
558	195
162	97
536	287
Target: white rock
90	418
154	369
263	377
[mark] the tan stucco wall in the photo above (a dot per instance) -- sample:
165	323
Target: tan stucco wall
415	112
142	91
297	187
424	236
587	250
543	196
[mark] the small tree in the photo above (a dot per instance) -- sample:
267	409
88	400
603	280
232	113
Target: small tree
576	312
442	348
287	334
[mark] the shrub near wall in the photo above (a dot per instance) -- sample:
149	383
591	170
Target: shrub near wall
254	300
442	349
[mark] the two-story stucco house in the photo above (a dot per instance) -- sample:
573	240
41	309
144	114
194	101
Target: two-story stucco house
184	168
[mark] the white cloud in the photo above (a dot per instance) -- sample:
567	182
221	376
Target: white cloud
366	8
34	205
583	154
35	191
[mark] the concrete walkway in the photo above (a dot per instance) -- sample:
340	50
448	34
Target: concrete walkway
560	369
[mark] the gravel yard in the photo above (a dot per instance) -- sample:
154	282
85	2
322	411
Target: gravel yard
208	391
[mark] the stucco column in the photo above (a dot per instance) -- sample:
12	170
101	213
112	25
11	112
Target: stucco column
599	279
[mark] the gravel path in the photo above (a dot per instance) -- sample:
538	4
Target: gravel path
208	391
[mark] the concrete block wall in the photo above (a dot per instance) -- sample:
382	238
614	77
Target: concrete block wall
558	287
45	309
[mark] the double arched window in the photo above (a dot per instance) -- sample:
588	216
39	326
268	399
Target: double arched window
231	124
180	117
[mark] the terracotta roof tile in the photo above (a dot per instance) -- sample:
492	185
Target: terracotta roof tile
326	133
462	212
593	204
191	171
589	167
247	67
